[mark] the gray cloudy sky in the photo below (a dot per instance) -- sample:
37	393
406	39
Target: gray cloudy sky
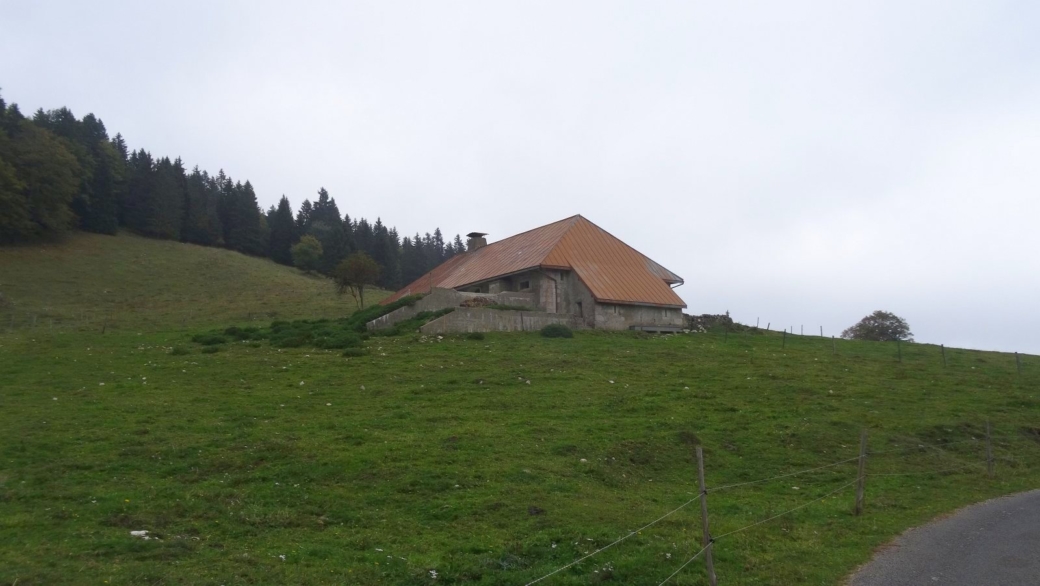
800	162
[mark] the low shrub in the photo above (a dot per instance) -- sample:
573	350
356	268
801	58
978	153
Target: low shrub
208	339
475	336
557	331
238	333
178	351
338	341
354	352
210	349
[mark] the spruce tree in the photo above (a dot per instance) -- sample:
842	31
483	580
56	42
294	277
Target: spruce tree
201	220
326	225
283	232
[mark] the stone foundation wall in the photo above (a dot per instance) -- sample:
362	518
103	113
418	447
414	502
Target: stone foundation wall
479	319
439	299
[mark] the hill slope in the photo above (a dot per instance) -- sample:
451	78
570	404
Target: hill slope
488	461
134	282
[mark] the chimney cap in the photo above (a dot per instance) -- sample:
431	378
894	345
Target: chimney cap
476	234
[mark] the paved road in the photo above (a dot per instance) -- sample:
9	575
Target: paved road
995	543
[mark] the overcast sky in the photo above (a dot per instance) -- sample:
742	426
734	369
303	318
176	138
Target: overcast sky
804	163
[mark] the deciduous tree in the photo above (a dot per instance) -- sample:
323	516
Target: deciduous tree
880	326
356	272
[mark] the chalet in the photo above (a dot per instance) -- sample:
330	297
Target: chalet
571	272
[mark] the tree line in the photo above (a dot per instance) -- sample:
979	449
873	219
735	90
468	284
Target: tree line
59	173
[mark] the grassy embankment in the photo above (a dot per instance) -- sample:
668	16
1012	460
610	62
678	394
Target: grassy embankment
485	461
92	282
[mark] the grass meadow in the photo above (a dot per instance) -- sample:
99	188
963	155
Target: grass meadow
460	461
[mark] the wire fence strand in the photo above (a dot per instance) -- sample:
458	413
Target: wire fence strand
695	556
750	482
605	547
746	527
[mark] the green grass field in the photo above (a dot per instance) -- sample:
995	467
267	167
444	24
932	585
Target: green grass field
451	461
92	282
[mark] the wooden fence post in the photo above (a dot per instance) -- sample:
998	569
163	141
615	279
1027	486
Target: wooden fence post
756	322
861	474
989	451
767	325
706	534
943	348
821	331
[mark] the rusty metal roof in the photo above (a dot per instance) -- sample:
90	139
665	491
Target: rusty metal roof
613	271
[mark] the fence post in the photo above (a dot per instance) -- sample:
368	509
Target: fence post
943	348
861	474
821	331
834	346
989	451
706	535
801	330
1018	363
756	322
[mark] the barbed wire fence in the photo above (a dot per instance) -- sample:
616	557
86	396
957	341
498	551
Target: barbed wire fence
859	480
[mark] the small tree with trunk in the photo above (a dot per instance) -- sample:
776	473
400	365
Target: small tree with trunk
880	326
354	273
307	253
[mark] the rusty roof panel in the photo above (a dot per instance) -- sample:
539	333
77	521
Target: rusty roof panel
612	270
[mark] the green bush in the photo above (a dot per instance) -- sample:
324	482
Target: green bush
475	336
210	349
208	339
557	331
238	333
354	352
338	340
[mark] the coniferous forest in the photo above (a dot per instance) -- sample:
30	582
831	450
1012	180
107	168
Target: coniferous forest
59	173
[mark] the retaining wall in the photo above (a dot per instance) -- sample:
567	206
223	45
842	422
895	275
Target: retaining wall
480	319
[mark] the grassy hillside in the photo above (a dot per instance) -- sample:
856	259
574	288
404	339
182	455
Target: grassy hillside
488	461
138	283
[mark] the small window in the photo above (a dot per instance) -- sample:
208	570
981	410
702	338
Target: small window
525	285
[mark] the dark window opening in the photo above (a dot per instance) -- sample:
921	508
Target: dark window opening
525	285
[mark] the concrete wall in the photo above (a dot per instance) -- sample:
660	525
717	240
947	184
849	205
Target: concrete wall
623	317
435	300
439	299
481	319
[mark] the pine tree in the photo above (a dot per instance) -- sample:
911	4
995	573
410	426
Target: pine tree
201	220
327	227
138	206
363	237
303	217
459	246
240	215
283	232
